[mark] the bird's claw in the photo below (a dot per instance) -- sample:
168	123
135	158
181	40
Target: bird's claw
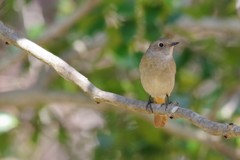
149	105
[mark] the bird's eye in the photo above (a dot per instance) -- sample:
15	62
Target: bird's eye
160	45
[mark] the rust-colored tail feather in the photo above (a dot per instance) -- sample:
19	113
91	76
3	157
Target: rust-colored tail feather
159	119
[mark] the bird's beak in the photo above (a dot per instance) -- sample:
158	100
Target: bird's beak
174	44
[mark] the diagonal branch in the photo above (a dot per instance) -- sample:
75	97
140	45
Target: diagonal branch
69	73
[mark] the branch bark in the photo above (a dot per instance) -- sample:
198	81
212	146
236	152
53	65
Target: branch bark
69	73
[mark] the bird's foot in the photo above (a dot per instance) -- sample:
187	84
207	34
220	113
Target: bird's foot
167	102
149	105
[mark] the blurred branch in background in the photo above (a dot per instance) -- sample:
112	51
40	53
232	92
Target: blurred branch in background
202	137
238	7
59	28
36	97
11	60
210	27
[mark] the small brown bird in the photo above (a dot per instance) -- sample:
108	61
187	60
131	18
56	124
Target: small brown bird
157	71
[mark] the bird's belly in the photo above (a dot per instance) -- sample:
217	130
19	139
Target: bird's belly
158	83
158	87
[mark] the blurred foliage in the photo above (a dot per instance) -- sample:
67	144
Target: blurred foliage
207	71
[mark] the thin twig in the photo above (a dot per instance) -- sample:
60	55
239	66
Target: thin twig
69	73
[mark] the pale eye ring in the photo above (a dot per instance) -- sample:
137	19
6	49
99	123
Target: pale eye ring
160	44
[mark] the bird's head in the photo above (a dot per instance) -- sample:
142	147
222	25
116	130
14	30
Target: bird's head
163	47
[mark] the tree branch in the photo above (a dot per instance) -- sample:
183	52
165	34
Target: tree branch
69	73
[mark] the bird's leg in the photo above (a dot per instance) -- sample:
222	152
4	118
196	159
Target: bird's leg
167	101
149	106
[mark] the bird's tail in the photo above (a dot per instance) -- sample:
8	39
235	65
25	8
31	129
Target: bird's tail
159	119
